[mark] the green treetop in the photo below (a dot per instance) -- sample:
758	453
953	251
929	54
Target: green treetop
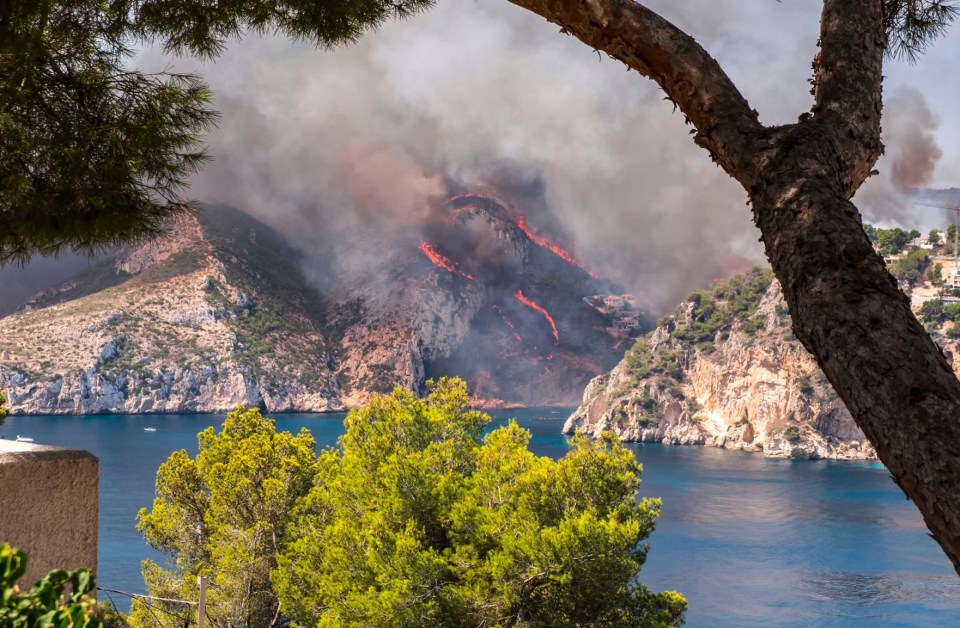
416	520
890	241
225	514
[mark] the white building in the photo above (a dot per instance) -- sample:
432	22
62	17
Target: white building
951	275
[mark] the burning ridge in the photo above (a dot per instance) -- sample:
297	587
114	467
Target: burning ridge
443	261
560	252
518	295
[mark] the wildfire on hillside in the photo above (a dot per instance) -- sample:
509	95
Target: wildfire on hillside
562	253
443	261
518	295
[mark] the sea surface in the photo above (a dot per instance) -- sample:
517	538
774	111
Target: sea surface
749	541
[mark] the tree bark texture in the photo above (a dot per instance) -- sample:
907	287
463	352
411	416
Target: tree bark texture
846	307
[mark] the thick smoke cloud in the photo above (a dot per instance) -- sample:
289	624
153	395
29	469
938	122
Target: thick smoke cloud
368	139
912	154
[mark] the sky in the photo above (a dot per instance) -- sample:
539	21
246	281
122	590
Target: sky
486	96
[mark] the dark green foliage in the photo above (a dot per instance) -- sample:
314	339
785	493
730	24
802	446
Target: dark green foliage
910	267
46	604
197	27
890	241
935	313
805	383
792	434
716	310
912	25
92	154
933	238
3	408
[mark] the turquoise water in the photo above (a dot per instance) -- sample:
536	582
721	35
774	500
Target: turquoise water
749	541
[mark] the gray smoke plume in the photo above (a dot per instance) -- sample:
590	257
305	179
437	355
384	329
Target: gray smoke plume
912	154
366	140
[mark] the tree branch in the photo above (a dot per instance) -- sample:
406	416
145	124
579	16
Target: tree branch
726	125
848	78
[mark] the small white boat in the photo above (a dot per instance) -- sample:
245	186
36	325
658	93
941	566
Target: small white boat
24	439
149	429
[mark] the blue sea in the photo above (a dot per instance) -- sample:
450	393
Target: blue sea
749	541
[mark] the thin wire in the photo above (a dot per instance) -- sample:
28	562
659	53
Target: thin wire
150	607
114	605
149	597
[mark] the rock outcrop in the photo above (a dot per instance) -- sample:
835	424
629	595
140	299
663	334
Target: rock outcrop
177	325
724	370
219	313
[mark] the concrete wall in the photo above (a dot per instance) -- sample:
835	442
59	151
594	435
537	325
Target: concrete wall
49	506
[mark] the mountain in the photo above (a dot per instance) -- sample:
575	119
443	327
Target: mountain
724	370
211	316
220	313
477	294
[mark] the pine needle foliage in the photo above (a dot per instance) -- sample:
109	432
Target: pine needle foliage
913	25
94	154
419	520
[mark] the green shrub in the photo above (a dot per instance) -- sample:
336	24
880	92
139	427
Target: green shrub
46	604
792	434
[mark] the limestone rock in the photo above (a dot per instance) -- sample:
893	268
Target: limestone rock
751	386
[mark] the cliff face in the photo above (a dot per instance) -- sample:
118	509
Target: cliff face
220	313
179	325
724	370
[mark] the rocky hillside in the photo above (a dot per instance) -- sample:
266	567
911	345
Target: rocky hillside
445	303
220	313
210	317
724	370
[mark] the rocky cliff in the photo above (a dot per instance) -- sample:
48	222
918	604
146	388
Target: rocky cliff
724	370
200	321
220	313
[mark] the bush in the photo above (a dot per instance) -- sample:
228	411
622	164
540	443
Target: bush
910	266
792	434
46	604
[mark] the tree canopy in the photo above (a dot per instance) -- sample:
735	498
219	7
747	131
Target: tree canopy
415	519
226	514
94	154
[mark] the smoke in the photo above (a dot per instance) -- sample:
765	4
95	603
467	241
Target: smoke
347	151
366	139
912	154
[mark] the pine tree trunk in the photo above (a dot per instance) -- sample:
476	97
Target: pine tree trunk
848	311
846	307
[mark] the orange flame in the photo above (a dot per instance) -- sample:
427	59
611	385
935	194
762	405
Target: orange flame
531	304
466	195
499	310
563	254
442	261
